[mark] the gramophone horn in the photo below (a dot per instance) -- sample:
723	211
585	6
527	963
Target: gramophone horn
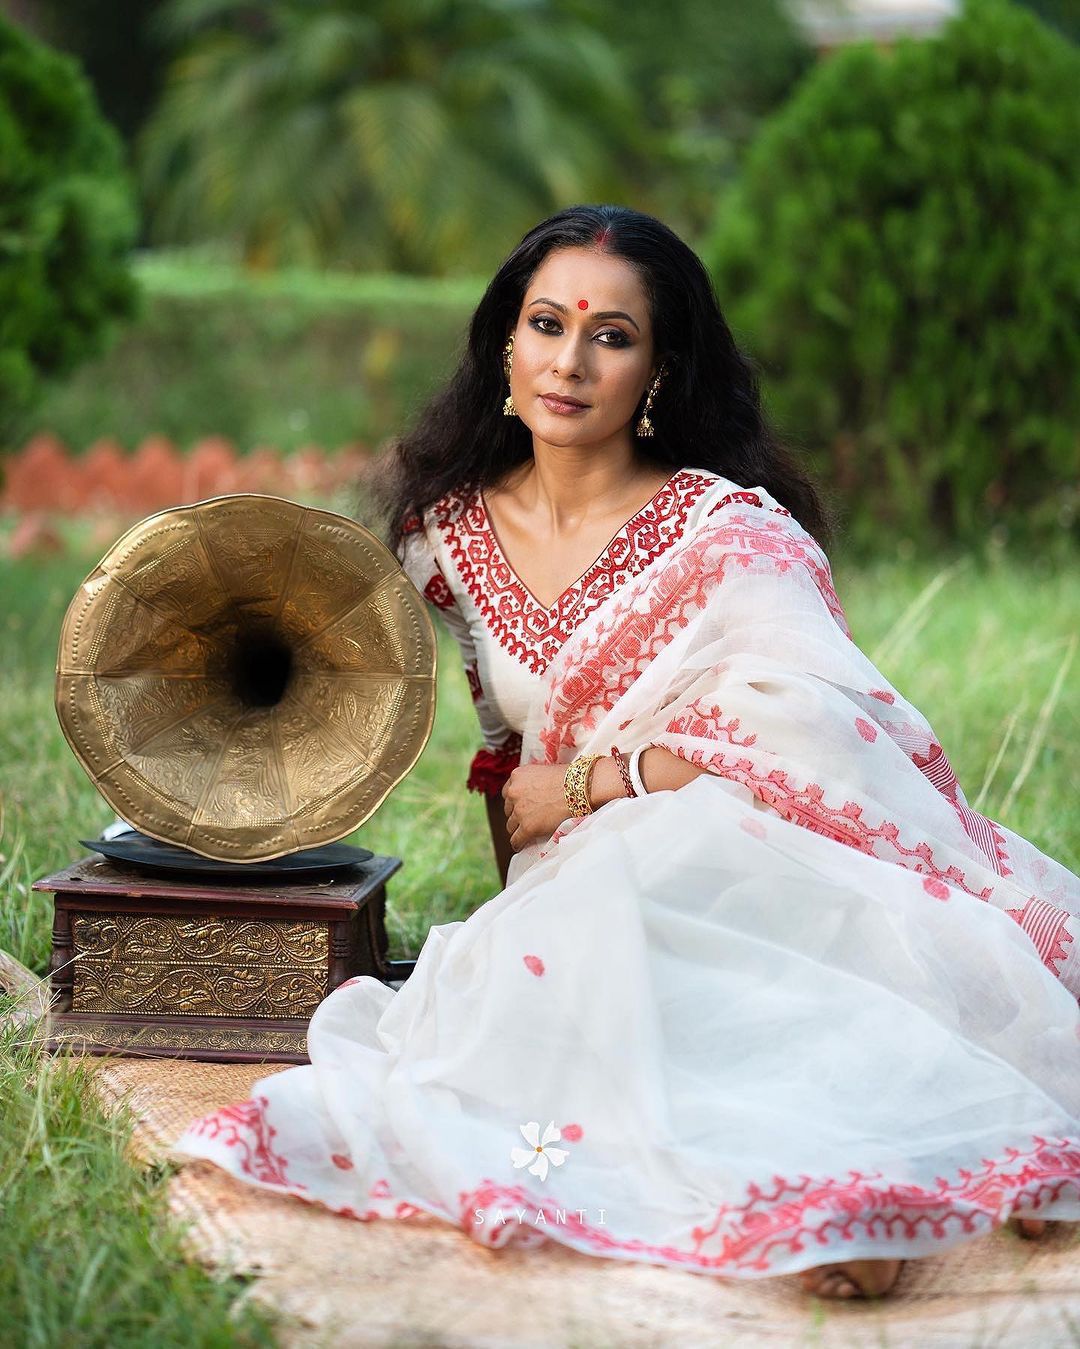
246	677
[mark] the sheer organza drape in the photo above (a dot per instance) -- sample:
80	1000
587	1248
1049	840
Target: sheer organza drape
787	1014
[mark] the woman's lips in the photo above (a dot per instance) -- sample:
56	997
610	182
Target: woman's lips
563	407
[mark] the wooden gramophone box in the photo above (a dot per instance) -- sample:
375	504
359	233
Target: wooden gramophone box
204	968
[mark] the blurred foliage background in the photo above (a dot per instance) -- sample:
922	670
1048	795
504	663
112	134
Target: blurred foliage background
902	244
277	217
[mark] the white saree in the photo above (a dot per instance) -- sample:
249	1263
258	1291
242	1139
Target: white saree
809	1007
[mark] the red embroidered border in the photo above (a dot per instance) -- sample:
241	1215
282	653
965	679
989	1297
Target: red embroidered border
747	499
806	805
931	760
520	624
785	1217
794	1215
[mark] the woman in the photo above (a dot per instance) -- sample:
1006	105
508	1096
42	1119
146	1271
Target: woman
784	1000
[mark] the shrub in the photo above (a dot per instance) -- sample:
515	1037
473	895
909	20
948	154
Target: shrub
66	221
900	253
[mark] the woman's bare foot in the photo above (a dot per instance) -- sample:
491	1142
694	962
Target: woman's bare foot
1031	1228
854	1278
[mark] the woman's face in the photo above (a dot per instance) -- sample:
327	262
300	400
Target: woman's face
583	348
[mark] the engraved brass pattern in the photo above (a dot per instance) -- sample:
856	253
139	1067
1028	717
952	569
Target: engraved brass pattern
149	699
138	964
239	1039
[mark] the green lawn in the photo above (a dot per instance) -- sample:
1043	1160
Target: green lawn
85	1257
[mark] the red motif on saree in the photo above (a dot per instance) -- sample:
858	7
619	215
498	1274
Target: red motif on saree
928	756
747	499
1048	928
706	721
243	1127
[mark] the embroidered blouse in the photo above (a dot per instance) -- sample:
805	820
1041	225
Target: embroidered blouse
506	636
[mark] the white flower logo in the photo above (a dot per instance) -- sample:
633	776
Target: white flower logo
538	1151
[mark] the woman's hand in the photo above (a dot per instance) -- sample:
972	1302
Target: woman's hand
535	803
534	797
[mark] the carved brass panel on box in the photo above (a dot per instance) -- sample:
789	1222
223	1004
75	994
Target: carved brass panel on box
206	970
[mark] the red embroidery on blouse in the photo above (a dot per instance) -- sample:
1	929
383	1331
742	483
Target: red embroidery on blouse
490	768
522	626
411	524
534	965
437	592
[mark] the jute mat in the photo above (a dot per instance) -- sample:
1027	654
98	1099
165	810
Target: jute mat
421	1282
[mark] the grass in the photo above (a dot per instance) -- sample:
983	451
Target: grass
87	1258
984	650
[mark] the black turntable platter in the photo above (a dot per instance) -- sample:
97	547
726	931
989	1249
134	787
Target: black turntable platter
141	850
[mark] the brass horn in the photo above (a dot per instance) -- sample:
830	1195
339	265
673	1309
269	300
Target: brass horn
246	677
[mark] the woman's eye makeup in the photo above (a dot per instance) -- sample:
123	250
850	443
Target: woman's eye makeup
613	337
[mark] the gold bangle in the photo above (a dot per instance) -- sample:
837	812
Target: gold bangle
576	785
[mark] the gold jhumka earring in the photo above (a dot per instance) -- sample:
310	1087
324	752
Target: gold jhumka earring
508	359
645	426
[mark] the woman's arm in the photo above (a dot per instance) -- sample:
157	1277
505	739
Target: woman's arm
492	764
661	771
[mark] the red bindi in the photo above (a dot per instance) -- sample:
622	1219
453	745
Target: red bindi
583	304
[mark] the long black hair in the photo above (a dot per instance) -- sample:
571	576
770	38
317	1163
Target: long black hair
707	413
